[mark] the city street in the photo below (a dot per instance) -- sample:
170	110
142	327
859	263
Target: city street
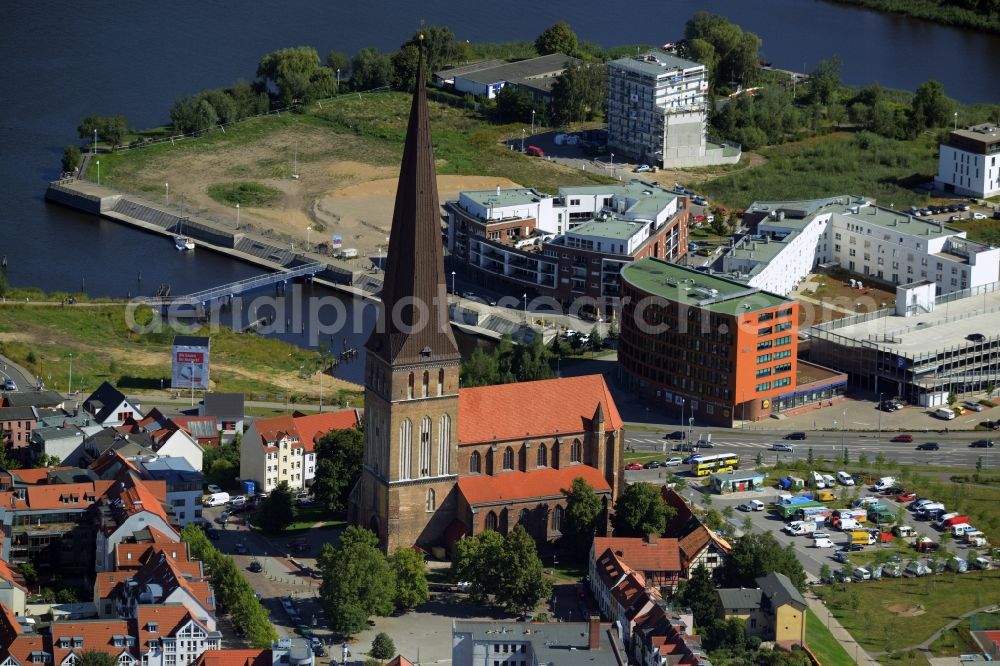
955	450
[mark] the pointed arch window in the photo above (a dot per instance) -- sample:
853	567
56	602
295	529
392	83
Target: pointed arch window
425	446
475	463
543	456
508	458
431	503
522	519
424	391
441	382
405	449
444	445
491	521
576	451
557	518
409	387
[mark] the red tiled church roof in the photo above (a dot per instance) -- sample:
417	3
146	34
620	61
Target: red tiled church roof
548	407
512	486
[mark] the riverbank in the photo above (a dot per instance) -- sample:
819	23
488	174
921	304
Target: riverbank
931	10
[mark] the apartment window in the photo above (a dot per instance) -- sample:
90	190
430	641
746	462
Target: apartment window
576	451
763	387
557	518
784	340
764	358
764	331
431	502
543	456
784	367
766	344
763	372
765	316
782	354
784	381
783	327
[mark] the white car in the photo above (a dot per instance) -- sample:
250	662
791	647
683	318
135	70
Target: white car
673	462
978	216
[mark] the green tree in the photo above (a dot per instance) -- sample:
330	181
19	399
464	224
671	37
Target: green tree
641	511
824	572
824	81
756	554
930	106
557	38
477	561
358	581
699	595
737	52
114	130
729	635
440	48
382	647
404	67
583	510
863	459
223	104
701	50
70	159
847	457
482	369
193	114
293	72
338	467
29	572
3	291
250	100
96	658
7	461
88	126
595	340
410	574
522	582
221	464
370	69
579	93
810	459
952	398
278	510
337	60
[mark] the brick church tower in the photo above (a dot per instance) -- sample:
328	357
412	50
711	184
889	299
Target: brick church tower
407	491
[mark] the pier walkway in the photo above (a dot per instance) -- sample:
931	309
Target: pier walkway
225	291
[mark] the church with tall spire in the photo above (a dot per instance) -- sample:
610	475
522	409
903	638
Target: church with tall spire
442	462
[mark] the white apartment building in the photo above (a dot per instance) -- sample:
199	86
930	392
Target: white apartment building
657	111
867	240
969	162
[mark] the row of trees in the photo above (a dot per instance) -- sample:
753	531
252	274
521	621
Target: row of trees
730	54
111	129
196	113
508	363
359	581
232	589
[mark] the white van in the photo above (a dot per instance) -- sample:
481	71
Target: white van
828	480
217	499
962	529
885	482
944	413
822	543
848	524
845	479
817	480
860	573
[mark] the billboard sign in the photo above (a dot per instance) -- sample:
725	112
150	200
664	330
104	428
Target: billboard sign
190	367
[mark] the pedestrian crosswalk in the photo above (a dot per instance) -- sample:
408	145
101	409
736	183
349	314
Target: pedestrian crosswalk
716	443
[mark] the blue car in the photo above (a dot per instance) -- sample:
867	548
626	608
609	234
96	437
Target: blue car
692	458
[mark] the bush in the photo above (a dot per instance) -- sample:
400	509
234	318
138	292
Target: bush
244	193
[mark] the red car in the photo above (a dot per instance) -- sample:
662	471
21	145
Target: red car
906	497
903	438
634	465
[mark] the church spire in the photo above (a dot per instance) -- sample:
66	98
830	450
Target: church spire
413	321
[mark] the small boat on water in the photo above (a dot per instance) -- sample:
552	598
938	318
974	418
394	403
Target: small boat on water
183	243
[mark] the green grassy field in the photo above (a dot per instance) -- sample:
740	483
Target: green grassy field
840	163
955	641
104	347
823	644
896	613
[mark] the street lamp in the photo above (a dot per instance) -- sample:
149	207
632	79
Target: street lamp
453	282
522	139
338	81
690	424
612	165
69	389
532	122
879	416
843	424
167	186
309	231
95	141
237	214
192	384
98	172
526	308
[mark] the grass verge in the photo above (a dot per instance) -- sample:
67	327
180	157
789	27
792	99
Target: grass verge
823	644
245	193
955	641
889	615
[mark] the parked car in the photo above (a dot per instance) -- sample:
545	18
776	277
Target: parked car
906	496
241	548
676	434
691	458
902	438
633	466
982	444
535	151
653	464
795	435
928	446
752	505
972	406
672	462
823	542
642	168
256	566
213	489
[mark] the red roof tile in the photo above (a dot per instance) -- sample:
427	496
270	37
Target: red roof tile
97	636
168	618
234	658
695	542
34	476
639	554
399	660
512	486
9	574
107	582
543	408
312	427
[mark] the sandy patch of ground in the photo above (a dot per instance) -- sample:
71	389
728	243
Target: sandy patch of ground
904	610
668	177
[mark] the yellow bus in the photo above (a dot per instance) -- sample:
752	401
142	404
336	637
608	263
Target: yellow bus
717	462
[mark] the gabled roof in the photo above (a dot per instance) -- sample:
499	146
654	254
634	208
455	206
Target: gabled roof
779	590
104	401
698	540
65	496
312	427
276	428
33	399
168	618
111	463
234	658
641	554
739	598
413	324
130	495
33	476
199	427
684	520
399	660
97	635
545	408
224	405
18	414
537	484
8	574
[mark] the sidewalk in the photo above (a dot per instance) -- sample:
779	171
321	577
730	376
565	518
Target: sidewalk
842	635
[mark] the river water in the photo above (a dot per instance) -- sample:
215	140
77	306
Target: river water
63	60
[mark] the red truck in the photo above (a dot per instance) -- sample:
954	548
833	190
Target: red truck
954	520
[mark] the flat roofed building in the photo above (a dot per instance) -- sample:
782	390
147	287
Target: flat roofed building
657	111
920	351
969	161
487	78
705	344
552	643
571	245
791	239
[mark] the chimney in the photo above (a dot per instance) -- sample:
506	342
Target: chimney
651	538
595	633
